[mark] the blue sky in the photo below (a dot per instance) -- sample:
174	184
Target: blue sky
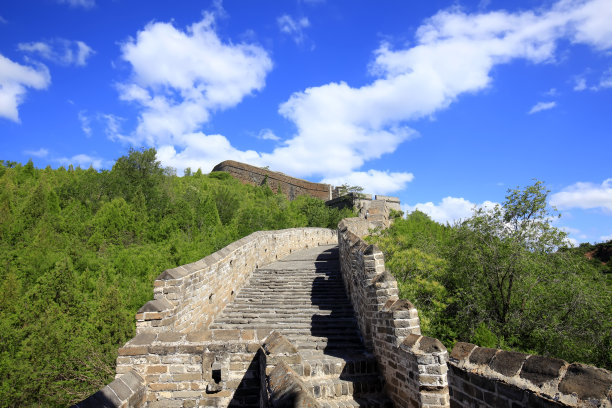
445	104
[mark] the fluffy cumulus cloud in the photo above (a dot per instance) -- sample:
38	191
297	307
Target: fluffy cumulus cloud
204	152
585	196
60	51
15	79
180	77
541	106
449	210
373	180
293	27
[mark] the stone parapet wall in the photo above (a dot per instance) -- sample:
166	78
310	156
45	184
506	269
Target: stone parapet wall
189	297
212	368
486	377
281	370
127	391
290	186
414	366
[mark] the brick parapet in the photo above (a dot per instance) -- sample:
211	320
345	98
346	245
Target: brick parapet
189	297
414	366
486	377
203	368
126	391
290	186
281	371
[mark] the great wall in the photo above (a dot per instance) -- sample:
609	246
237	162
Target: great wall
309	317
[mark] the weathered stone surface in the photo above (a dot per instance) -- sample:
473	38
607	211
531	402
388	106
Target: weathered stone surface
540	370
276	343
586	382
462	350
157	305
143	338
508	363
482	355
287	390
431	345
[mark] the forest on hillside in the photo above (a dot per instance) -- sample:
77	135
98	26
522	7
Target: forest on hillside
80	249
505	278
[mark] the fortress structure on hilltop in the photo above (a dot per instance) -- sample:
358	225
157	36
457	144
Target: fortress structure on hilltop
309	317
376	208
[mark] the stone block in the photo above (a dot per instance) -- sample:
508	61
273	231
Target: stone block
540	370
482	355
508	363
586	382
461	351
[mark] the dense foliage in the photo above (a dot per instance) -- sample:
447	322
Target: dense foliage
80	249
503	278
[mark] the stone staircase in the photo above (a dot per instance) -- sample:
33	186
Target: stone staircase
302	297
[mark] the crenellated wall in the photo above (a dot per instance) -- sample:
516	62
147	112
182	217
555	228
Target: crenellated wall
414	366
486	377
417	369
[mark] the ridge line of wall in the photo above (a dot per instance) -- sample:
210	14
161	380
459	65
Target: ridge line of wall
290	186
473	376
414	366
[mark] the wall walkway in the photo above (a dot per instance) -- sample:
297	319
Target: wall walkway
309	317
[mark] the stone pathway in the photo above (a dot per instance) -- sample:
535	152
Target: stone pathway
302	296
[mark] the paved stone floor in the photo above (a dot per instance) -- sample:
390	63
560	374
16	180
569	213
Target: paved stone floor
303	297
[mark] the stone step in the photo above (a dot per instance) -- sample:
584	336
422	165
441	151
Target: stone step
334	387
267	315
303	297
318	364
285	306
284	326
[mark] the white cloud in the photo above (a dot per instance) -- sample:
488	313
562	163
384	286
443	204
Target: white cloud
449	210
42	152
552	92
572	242
179	77
585	196
580	84
606	238
341	127
79	3
293	28
267	134
204	152
60	51
85	123
84	161
541	106
606	79
14	81
374	181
